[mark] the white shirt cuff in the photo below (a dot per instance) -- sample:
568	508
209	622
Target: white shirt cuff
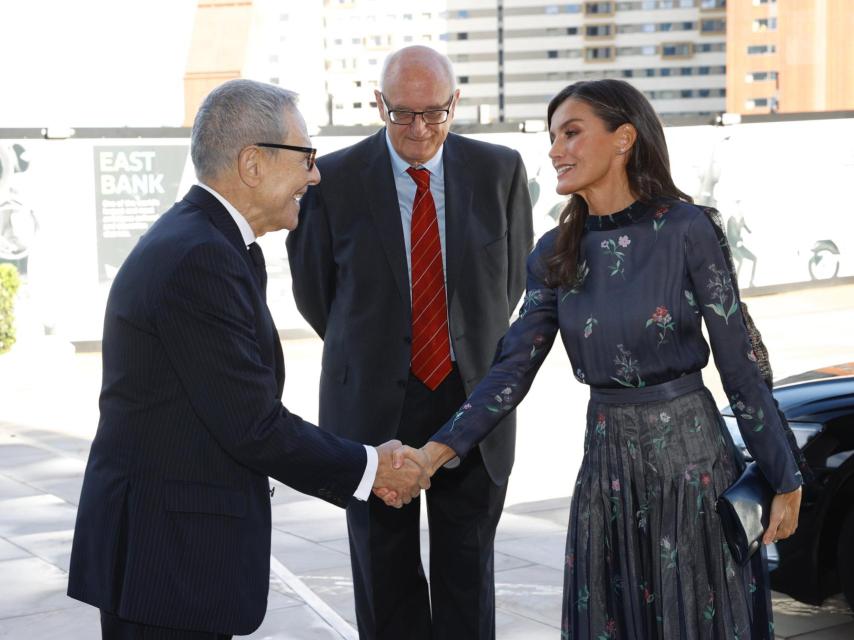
363	491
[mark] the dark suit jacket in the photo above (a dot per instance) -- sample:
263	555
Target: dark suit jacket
173	527
350	281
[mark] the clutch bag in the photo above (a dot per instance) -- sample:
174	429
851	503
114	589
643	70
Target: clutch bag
744	509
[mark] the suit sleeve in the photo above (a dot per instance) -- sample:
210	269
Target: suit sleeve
206	320
520	233
312	262
521	353
750	398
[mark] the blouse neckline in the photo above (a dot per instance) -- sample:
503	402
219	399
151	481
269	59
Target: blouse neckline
635	212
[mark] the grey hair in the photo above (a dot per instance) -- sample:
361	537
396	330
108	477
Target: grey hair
235	114
422	54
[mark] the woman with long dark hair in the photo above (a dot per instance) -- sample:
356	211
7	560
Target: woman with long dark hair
628	275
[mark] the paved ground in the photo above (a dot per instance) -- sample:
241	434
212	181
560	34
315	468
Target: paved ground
49	411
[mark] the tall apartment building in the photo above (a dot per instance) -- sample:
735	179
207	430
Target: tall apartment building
512	56
790	56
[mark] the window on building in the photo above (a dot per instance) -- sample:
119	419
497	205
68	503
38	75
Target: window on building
572	8
650	73
648	50
598	30
760	76
703	71
764	24
665	26
357	105
552	53
761	49
407	38
686	71
464	79
599	54
757	103
712	4
598	8
703	93
356	41
463	13
572	31
462	35
686	4
664	71
338	41
676	50
552	9
756	3
686	93
628	73
373	104
649	27
713	25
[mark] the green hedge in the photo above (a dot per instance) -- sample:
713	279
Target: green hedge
9	283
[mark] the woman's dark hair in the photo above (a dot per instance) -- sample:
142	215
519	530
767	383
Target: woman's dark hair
616	102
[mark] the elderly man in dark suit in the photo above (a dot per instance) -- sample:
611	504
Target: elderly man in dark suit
408	261
173	529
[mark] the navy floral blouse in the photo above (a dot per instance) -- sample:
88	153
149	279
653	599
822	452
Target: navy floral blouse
647	276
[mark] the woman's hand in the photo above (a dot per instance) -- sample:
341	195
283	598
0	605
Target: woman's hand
784	516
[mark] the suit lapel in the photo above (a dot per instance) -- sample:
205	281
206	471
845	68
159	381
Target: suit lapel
458	210
223	221
381	192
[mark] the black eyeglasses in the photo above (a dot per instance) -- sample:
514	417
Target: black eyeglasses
431	116
312	153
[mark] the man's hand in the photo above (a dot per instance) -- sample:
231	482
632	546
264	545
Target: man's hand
429	458
784	516
398	481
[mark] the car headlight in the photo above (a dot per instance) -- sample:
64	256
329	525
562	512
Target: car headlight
803	431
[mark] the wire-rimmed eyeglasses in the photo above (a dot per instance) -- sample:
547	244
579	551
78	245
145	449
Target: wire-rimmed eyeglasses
430	116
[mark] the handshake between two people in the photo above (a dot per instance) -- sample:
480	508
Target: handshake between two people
403	471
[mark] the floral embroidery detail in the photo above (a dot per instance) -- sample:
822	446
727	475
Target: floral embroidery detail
581	273
537	347
648	594
600	424
615	484
752	586
751	355
696	479
609	631
583	598
689	295
633	449
610	249
720	286
663	427
658	220
588	327
458	415
533	299
662	319
755	418
627	369
570	561
579	375
698	426
668	553
502	401
709	610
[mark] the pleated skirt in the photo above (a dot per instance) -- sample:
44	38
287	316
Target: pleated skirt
645	556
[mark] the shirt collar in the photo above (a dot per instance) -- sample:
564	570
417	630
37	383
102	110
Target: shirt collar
433	165
245	230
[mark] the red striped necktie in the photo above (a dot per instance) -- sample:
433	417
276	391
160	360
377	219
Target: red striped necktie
431	346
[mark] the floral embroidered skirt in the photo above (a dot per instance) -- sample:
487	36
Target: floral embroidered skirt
645	556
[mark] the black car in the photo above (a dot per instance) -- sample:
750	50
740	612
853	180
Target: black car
818	560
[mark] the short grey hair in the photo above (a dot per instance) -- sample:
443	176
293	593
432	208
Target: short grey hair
235	114
417	54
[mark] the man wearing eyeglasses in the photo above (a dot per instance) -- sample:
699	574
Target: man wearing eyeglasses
408	261
173	526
